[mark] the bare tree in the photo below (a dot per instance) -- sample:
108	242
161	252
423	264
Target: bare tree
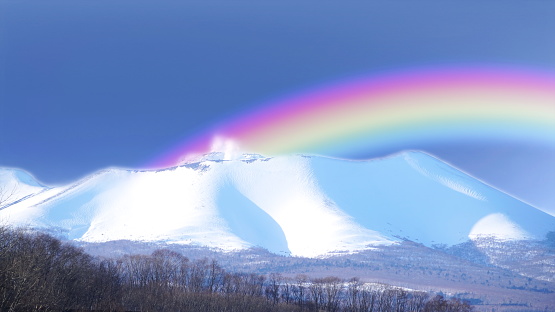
40	273
273	289
7	194
300	290
333	287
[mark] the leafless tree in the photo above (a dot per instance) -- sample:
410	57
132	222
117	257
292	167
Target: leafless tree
7	194
40	273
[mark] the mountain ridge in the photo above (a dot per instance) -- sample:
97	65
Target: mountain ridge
300	205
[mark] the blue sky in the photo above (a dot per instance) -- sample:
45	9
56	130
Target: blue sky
87	84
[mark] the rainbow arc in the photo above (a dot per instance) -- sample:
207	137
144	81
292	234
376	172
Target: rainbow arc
393	109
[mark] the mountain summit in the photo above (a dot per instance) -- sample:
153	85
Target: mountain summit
301	205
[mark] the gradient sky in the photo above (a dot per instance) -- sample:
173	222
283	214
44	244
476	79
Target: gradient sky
87	84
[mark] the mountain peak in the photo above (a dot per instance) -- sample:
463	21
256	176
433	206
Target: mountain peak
15	175
17	184
308	206
225	156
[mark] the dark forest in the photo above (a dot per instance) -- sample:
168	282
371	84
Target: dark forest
40	273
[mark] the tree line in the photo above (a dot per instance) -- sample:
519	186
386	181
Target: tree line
40	273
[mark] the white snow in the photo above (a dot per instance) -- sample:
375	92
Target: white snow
498	226
300	205
442	173
286	189
16	184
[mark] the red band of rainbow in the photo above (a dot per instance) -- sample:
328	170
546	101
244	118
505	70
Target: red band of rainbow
392	109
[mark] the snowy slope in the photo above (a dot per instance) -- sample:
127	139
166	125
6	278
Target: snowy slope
303	205
16	185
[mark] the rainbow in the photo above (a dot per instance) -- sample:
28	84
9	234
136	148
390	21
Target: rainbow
394	109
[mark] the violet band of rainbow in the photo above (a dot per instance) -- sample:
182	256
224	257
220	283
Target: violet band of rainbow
439	104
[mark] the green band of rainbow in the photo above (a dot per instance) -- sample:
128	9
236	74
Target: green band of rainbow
393	109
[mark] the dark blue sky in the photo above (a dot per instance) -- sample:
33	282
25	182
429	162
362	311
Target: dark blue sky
89	84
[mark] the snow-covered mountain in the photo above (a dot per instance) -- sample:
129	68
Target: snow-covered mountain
17	185
303	205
